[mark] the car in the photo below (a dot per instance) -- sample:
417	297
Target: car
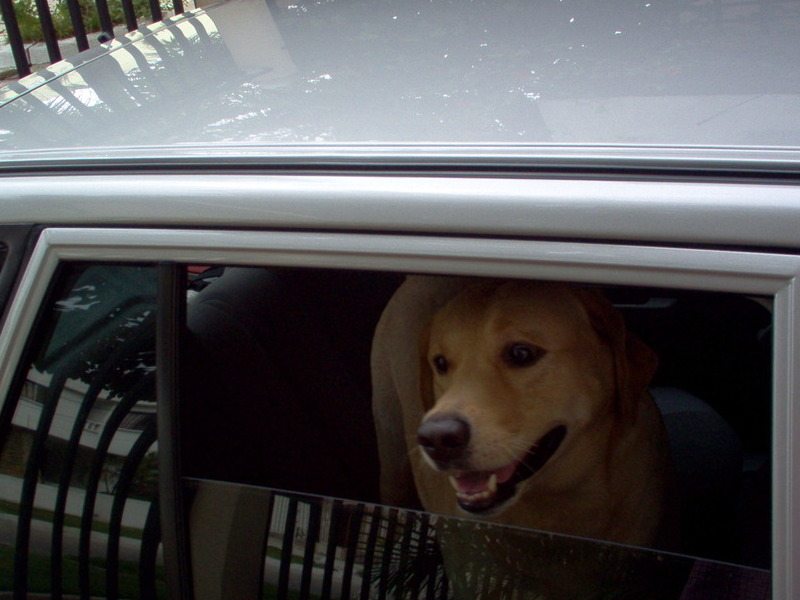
203	222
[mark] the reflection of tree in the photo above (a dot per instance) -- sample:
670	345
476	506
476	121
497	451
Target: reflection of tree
145	482
102	326
110	474
488	561
491	562
406	558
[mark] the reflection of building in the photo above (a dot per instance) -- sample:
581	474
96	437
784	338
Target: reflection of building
71	405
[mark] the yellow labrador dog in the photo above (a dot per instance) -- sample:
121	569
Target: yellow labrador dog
527	406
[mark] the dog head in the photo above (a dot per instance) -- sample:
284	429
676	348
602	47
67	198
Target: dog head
514	374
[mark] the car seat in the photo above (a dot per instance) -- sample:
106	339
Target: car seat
276	385
707	457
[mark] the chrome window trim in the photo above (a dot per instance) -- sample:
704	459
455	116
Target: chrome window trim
604	157
651	211
771	274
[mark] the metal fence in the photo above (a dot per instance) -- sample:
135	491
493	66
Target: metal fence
77	20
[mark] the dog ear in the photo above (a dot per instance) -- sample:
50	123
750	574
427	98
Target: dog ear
634	362
425	374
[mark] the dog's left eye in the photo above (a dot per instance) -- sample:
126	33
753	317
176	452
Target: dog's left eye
523	355
440	364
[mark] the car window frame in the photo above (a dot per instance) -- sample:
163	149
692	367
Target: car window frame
17	240
747	272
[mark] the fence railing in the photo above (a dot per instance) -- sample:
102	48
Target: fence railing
78	23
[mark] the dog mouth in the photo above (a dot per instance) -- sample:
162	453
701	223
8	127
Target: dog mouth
487	491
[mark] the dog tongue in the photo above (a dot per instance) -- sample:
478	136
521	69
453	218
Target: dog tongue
474	482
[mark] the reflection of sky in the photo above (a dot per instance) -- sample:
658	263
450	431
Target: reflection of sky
435	71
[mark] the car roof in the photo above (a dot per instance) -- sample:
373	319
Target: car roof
448	80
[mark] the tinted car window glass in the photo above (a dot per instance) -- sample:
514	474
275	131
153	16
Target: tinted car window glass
78	462
253	542
277	395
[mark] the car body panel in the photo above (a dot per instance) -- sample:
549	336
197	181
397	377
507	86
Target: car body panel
323	77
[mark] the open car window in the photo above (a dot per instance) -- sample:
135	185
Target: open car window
277	427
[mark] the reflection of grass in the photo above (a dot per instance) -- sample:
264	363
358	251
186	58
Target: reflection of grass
276	553
271	593
270	590
39	575
42	514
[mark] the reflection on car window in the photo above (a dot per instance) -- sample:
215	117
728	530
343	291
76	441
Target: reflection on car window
277	395
78	465
320	547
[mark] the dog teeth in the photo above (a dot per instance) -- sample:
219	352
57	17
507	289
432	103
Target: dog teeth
489	491
473	498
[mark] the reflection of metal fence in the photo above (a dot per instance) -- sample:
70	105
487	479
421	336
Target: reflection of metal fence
103	524
70	538
324	548
50	530
77	20
337	549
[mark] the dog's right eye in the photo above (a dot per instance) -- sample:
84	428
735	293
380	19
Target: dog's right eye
523	355
440	364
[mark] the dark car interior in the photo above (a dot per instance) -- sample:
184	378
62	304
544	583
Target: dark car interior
276	392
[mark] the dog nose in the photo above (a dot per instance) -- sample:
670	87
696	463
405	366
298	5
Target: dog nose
444	437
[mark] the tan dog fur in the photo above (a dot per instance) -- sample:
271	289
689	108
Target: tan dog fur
608	479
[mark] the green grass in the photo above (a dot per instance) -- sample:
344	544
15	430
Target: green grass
39	575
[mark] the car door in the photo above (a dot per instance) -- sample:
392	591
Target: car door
248	467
